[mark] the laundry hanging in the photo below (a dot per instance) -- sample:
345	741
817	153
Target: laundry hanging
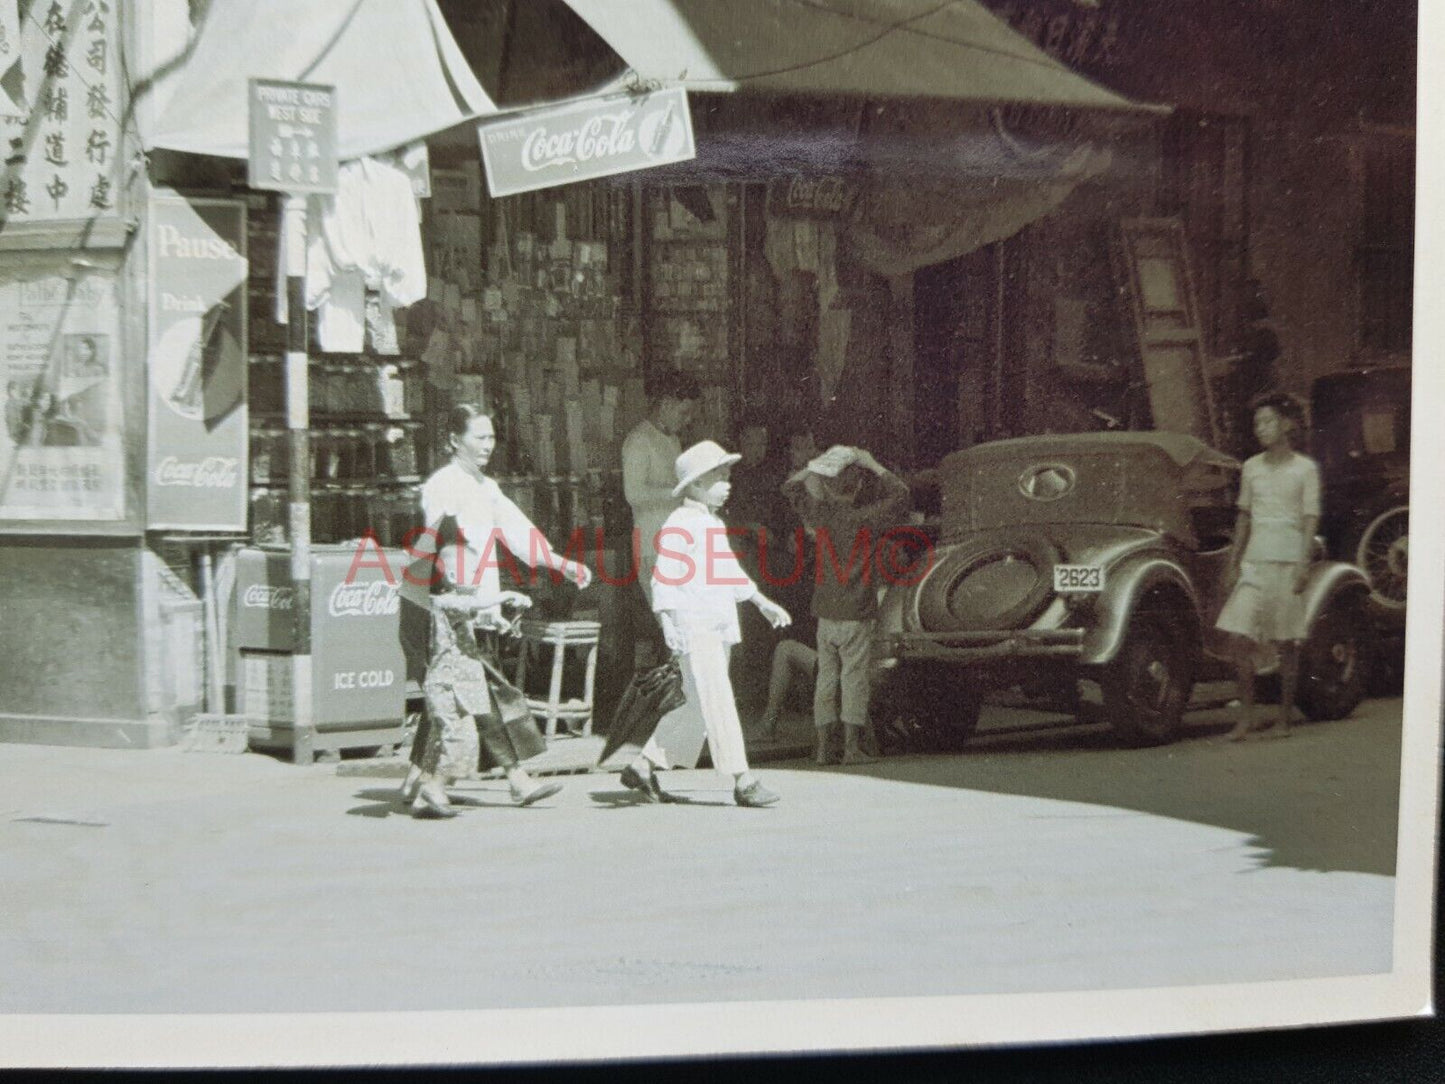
367	236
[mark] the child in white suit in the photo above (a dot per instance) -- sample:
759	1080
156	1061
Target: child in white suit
697	585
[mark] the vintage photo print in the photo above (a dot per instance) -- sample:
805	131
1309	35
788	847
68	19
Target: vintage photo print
550	531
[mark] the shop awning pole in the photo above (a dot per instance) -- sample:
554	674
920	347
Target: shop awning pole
298	423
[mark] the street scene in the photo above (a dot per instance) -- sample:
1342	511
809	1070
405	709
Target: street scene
777	501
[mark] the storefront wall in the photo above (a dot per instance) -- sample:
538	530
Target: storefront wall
103	636
1324	93
899	276
1067	329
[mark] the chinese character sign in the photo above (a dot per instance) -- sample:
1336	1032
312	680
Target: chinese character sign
197	366
60	109
293	137
61	450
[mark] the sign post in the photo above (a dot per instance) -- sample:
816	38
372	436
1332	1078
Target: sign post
293	150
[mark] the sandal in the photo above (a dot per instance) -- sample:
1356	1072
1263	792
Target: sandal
536	794
431	803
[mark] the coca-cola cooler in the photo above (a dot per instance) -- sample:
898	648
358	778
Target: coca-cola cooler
358	667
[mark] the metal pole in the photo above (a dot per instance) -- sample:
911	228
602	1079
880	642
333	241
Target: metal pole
299	481
215	660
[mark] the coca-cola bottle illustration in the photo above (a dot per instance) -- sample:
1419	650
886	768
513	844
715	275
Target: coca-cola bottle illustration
186	395
664	129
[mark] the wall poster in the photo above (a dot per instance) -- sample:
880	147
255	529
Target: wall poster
62	455
196	452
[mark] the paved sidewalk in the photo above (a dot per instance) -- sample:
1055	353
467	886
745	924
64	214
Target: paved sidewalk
162	881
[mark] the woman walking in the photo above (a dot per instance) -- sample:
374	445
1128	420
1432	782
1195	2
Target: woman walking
1279	510
466	516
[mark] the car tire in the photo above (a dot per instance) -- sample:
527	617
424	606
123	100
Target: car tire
1382	551
1332	668
924	712
936	591
1147	686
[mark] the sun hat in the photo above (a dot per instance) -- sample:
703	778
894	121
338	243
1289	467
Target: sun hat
698	460
832	462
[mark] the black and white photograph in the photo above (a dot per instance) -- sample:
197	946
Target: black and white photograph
713	527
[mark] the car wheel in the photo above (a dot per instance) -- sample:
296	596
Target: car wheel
1383	551
1332	664
925	712
1148	684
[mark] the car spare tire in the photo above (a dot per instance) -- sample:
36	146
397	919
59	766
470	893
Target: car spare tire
999	582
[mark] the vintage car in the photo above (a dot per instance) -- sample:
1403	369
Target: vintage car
1360	433
1088	558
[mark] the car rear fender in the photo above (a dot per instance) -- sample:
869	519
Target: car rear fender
1128	586
1329	581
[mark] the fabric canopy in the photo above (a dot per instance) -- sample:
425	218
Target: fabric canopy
399	74
868	48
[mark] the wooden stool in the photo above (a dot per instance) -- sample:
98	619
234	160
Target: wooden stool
560	635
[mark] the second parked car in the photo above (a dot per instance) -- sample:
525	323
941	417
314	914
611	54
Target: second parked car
1096	558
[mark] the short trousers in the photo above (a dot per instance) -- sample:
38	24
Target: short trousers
1263	605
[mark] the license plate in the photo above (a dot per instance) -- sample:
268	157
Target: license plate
1078	579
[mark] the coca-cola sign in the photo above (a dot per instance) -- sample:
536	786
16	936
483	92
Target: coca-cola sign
212	472
265	596
587	140
196	414
827	196
375	599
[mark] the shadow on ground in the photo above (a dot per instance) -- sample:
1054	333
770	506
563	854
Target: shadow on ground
1325	799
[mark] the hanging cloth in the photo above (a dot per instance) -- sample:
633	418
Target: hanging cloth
969	182
367	236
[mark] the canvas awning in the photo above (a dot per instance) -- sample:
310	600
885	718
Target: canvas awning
398	73
867	48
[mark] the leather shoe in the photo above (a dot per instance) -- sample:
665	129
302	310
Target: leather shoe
647	785
754	796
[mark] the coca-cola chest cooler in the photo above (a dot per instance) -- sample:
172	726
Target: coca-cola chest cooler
358	668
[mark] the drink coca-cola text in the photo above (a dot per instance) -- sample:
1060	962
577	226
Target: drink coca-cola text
375	599
606	136
828	194
212	472
262	596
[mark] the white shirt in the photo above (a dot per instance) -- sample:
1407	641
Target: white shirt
698	576
1278	498
649	457
486	517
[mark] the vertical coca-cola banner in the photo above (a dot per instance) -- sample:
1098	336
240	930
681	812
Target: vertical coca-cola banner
197	365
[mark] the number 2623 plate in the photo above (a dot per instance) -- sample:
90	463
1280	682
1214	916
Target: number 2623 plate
1078	579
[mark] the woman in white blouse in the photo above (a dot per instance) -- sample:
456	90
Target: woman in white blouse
467	517
1279	511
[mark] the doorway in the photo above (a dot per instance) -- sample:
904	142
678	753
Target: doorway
957	367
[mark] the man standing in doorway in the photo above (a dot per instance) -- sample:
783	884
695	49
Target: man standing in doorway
648	455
